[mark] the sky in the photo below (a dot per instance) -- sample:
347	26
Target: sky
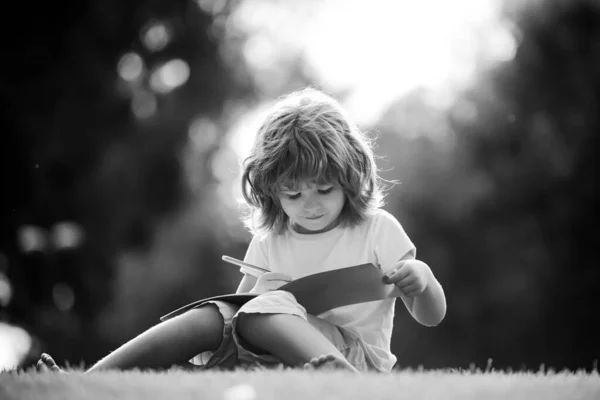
373	51
381	50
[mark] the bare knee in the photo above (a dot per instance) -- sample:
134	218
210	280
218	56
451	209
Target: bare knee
251	327
205	322
260	329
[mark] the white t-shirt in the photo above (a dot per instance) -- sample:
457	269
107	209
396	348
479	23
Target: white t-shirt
379	240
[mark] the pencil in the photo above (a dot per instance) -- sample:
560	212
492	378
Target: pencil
240	263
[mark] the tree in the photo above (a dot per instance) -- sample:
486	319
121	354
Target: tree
535	139
81	150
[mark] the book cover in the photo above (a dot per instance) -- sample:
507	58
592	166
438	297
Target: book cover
321	292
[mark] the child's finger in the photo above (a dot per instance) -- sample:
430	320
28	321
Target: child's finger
270	281
414	286
396	275
404	282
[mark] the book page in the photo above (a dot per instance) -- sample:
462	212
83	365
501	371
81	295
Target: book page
341	287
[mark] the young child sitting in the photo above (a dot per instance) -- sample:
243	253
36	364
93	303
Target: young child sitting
315	198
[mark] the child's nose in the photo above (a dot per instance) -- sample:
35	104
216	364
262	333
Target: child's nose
311	204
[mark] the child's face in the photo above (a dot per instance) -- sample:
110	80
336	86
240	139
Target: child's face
312	207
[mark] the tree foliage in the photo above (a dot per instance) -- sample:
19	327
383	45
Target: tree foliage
506	217
77	152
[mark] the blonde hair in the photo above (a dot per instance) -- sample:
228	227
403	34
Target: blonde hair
308	136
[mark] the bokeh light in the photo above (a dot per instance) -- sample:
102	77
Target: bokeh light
63	296
15	343
6	291
202	133
130	67
169	76
156	35
144	104
32	238
66	235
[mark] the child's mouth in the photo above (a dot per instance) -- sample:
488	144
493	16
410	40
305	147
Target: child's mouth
314	218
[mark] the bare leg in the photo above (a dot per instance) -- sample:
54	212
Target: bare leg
290	338
164	345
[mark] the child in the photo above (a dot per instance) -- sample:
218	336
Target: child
313	190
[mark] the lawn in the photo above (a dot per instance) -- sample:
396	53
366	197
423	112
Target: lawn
298	384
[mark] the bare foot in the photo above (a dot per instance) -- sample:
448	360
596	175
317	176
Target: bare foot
329	362
47	364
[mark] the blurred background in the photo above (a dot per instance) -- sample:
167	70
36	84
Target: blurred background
124	124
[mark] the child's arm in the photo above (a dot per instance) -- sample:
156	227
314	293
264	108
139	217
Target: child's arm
246	284
428	308
421	292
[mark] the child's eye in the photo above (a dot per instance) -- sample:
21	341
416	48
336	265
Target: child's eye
326	191
293	196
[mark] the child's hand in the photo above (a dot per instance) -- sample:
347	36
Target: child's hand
411	277
270	281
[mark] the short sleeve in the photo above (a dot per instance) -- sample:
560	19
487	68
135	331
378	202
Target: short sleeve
391	241
256	254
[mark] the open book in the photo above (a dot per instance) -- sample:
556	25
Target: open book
323	291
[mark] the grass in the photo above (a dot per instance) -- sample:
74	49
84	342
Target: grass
298	384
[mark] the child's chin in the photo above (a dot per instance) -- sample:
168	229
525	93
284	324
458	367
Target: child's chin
307	227
317	226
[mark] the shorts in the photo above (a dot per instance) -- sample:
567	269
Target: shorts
234	352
